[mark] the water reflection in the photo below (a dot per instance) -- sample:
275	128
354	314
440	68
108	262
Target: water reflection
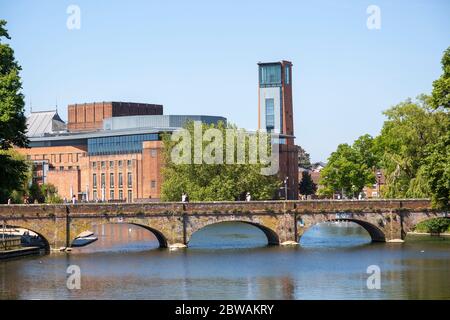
411	270
335	235
119	237
228	235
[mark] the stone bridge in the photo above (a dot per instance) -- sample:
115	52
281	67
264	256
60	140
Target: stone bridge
175	222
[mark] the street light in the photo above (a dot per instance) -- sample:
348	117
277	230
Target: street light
378	182
285	188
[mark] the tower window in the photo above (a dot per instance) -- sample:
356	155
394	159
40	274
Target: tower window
270	114
270	75
287	74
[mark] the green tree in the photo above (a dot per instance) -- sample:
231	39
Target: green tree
410	128
437	161
12	119
347	170
440	96
437	171
15	173
307	186
304	160
213	182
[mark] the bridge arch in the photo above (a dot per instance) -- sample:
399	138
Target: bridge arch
375	233
44	239
162	240
271	235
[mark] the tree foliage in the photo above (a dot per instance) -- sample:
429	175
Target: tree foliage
12	117
13	169
307	186
410	129
213	182
349	168
436	225
15	173
304	160
440	96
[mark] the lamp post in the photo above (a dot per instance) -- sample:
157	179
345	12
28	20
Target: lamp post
378	182
286	188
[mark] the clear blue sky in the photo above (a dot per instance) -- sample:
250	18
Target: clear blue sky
199	57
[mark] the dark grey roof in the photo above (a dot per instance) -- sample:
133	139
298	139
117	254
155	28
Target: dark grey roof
44	122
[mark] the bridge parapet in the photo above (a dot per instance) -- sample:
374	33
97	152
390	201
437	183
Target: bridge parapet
308	206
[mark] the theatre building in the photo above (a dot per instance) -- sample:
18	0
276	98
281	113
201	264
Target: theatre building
108	151
112	151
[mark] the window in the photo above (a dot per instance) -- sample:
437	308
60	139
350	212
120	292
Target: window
129	180
129	164
130	196
69	168
103	164
287	74
120	163
94	195
270	75
94	165
111	164
61	168
103	180
119	144
120	180
94	180
111	180
111	195
270	114
153	184
153	153
120	195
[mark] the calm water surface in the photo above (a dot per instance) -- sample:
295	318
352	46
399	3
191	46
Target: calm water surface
231	261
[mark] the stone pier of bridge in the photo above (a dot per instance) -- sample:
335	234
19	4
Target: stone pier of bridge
175	222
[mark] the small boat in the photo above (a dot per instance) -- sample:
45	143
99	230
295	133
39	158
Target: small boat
84	238
85	234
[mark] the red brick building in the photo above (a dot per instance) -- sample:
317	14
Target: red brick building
112	150
275	115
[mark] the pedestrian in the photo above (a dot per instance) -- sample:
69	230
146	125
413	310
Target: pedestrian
183	197
9	200
248	197
74	199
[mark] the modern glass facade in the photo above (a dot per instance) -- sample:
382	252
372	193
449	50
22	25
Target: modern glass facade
270	75
119	144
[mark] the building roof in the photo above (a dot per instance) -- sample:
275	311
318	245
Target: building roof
44	122
157	121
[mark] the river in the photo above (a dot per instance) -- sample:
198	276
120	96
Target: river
231	261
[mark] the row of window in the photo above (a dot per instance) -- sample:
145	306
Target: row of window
112	195
119	144
111	164
111	180
58	158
